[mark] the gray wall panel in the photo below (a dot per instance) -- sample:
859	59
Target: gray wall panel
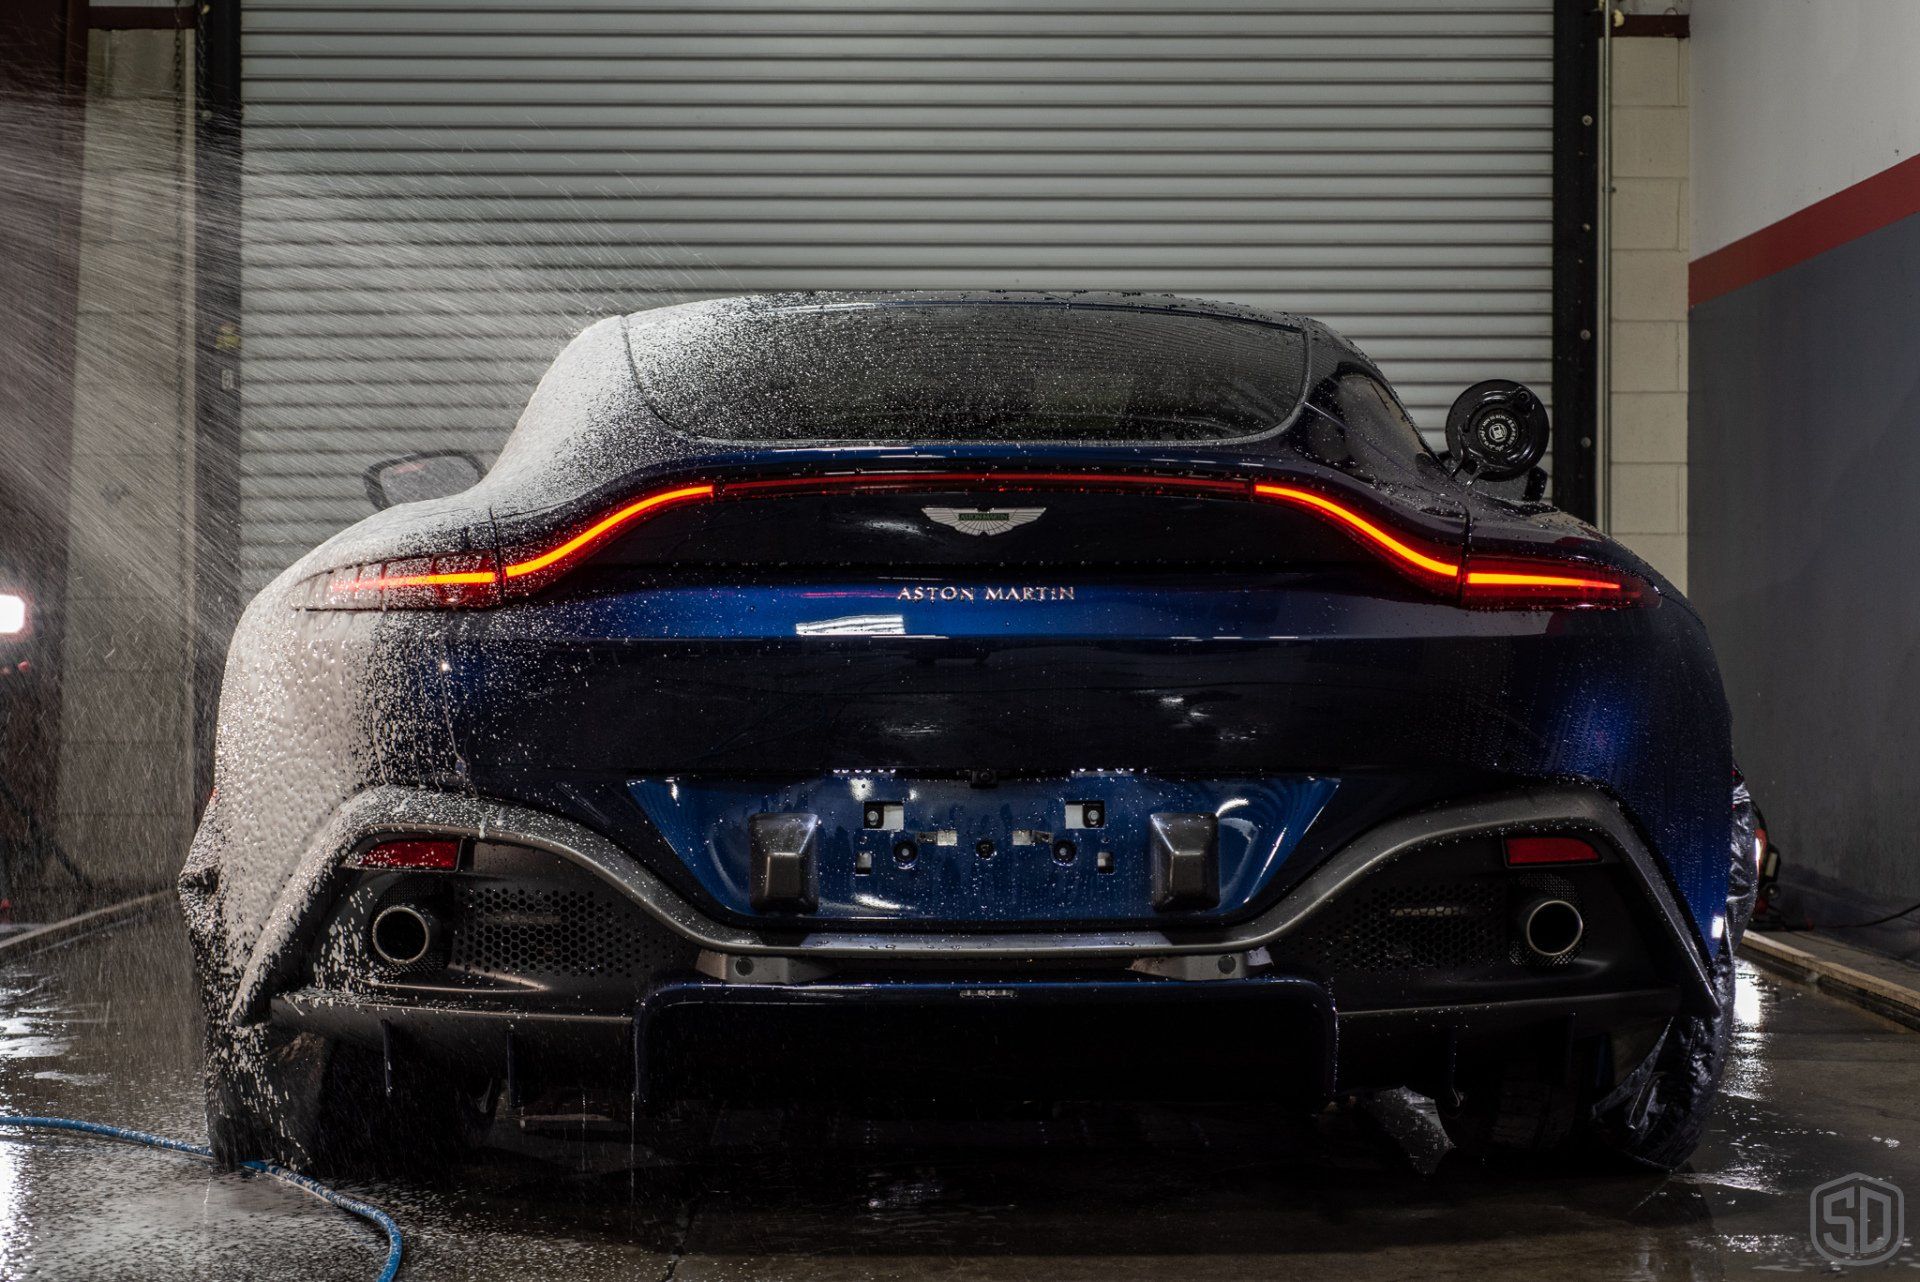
1804	517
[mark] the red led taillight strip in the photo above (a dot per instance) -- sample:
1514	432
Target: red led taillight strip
1517	584
385	582
1504	587
606	525
1493	584
553	561
420	582
1408	556
1485	579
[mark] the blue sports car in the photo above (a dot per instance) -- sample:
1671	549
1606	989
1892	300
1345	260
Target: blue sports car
907	696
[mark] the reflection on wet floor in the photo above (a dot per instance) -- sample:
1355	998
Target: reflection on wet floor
104	1028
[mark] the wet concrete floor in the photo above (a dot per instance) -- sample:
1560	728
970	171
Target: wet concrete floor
103	1028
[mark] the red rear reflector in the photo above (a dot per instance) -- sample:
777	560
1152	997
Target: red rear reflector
1522	851
416	854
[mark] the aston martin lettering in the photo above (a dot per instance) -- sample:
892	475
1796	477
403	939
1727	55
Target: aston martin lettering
983	520
1018	593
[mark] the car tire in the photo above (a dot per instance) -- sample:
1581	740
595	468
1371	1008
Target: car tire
325	1107
1655	1114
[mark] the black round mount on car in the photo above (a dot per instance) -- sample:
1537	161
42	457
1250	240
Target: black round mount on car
1497	430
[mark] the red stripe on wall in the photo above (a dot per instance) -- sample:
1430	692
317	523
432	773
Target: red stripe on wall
1868	205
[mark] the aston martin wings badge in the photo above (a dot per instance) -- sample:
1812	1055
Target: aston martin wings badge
997	520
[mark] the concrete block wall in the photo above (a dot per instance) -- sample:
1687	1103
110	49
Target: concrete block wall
126	764
1650	215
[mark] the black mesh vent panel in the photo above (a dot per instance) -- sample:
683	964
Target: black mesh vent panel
1416	926
534	930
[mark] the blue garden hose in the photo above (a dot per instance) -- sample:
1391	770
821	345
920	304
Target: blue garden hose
362	1209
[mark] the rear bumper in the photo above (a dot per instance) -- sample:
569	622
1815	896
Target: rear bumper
1267	1037
1281	1006
275	965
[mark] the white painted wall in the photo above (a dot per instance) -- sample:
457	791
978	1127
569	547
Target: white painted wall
1795	100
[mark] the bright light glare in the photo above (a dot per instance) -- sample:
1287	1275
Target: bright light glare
13	614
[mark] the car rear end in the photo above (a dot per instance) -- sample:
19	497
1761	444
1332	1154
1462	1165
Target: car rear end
1206	762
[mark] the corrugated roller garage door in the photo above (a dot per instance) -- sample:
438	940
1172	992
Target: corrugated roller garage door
438	193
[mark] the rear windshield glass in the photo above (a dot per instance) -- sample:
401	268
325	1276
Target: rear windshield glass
969	372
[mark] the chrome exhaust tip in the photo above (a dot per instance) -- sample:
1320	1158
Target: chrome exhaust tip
403	935
1551	929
